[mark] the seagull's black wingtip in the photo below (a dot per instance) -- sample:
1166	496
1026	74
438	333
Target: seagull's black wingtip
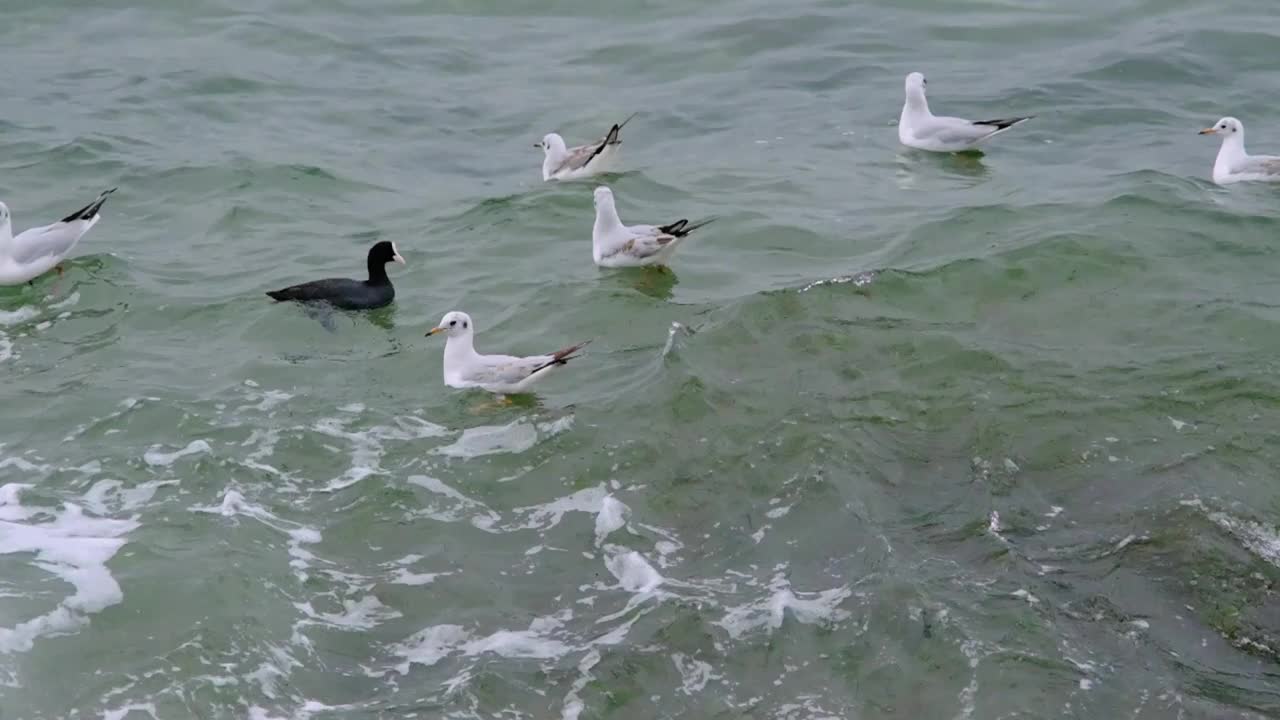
88	211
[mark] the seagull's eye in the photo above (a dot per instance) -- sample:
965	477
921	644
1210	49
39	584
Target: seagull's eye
452	323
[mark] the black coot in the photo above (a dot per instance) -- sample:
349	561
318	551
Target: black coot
350	294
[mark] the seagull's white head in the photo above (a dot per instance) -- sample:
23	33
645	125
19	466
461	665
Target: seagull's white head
552	143
5	230
915	87
454	324
603	197
1227	127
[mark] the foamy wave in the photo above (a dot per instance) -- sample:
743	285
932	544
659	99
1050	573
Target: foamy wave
612	516
234	503
367	447
633	572
9	318
155	458
113	492
809	608
515	437
73	547
1261	540
364	614
430	646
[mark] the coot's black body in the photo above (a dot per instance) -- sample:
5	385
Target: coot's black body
349	294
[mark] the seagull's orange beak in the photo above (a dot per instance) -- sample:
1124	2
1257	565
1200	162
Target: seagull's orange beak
433	331
1209	131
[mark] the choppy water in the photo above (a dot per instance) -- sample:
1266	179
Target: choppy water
902	436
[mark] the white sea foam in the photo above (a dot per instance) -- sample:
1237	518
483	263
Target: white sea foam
155	458
548	515
123	711
1262	540
72	546
267	400
633	572
573	704
675	329
107	495
1023	594
778	512
364	614
70	301
464	507
367	445
431	645
9	318
24	465
694	674
769	612
234	503
612	516
515	437
404	577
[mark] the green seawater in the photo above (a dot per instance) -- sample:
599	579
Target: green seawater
899	436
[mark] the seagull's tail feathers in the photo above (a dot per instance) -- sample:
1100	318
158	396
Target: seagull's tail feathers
681	227
561	357
89	211
1003	123
612	138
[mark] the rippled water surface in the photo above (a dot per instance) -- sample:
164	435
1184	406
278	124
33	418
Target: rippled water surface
900	435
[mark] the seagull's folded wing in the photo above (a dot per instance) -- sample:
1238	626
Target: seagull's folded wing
49	241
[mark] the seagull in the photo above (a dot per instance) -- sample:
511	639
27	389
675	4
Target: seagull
1233	163
561	163
349	294
466	368
921	129
38	250
616	245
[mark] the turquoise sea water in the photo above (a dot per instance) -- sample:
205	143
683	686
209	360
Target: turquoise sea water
900	435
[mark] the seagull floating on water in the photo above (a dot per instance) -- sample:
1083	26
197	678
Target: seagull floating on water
563	163
616	245
38	250
1234	164
466	368
349	294
921	129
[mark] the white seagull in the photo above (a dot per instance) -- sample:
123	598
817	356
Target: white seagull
466	368
564	163
616	245
921	129
36	251
1233	163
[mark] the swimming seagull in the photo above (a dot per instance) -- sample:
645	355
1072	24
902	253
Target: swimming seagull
1233	163
921	129
616	245
561	163
349	294
466	368
38	250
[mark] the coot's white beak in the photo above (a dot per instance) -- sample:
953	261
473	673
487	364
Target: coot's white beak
399	259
